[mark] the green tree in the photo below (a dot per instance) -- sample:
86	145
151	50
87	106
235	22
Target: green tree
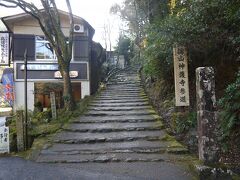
124	47
50	23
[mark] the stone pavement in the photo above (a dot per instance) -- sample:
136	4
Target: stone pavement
120	134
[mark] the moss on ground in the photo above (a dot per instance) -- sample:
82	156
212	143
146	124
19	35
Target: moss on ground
173	145
43	130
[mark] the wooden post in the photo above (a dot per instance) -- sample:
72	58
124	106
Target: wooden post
53	105
21	131
207	115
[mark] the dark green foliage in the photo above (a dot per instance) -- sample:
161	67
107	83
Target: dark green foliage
230	108
38	107
210	30
183	122
124	47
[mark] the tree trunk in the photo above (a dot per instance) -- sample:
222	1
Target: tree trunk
69	103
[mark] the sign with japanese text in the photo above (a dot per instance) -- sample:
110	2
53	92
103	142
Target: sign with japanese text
72	74
4	139
4	49
53	105
40	67
181	76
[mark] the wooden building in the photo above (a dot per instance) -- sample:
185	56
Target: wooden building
43	69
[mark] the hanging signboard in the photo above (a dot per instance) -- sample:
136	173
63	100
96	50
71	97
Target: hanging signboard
4	48
181	76
40	67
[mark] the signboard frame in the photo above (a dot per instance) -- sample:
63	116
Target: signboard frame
181	76
5	60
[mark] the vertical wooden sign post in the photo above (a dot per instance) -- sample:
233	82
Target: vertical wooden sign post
21	131
181	76
53	105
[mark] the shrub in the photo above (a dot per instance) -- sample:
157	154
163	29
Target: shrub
183	122
230	108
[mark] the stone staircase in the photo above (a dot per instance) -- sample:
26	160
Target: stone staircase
119	126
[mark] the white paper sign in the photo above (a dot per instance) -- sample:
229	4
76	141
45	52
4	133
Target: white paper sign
4	49
4	139
2	121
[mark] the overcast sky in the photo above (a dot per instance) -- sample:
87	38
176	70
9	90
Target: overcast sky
96	12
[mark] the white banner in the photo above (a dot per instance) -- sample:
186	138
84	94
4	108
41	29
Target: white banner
181	76
4	140
2	121
4	49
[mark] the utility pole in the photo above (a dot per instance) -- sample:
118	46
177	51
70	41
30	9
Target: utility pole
25	99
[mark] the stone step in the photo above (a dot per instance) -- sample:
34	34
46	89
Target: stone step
121	94
106	119
120	98
109	157
126	146
117	82
119	113
123	88
119	104
113	101
78	138
112	89
124	84
123	108
113	127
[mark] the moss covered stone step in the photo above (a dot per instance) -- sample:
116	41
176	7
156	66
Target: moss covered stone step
159	150
119	113
129	84
113	127
119	108
113	101
106	119
108	146
134	104
122	90
120	98
119	95
110	157
76	137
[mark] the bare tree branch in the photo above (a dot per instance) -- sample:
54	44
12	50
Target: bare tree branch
49	22
8	6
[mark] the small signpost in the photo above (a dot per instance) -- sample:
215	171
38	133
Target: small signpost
4	48
181	76
4	136
53	105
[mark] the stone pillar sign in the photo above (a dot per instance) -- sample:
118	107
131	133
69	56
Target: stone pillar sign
207	115
21	131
